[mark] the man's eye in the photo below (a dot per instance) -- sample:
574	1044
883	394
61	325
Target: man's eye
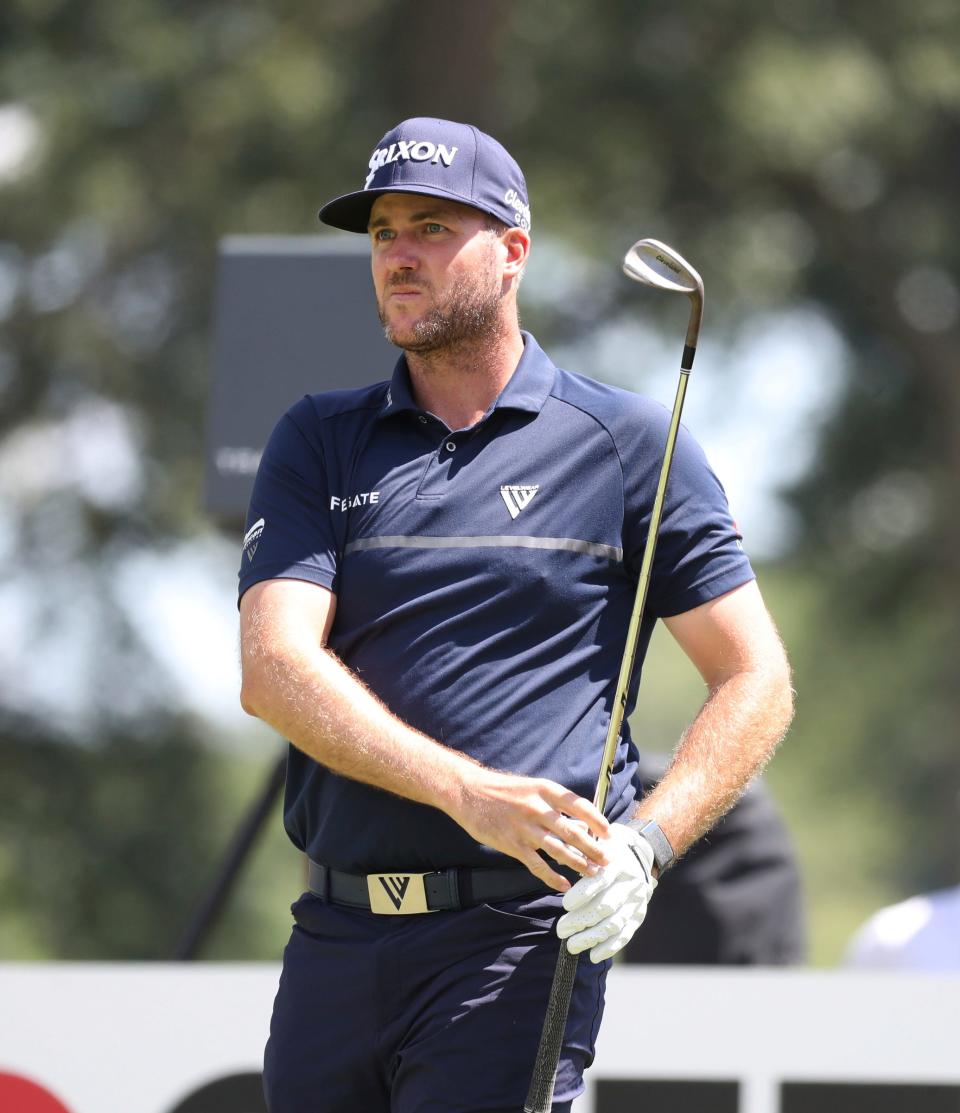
434	227
382	234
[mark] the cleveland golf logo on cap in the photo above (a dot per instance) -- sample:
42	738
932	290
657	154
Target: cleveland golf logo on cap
419	150
521	210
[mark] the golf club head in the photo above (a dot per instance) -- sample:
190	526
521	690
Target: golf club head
655	264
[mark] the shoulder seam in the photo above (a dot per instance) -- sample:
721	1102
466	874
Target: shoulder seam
606	428
352	410
370	408
616	451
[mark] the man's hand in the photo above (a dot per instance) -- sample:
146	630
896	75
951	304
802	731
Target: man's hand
603	912
527	816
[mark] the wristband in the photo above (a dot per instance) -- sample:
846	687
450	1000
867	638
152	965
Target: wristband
662	850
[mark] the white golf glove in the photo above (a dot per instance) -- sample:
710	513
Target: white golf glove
603	911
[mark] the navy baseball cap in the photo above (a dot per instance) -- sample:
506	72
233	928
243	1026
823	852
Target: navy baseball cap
440	159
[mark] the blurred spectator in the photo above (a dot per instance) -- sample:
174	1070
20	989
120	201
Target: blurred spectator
734	899
922	933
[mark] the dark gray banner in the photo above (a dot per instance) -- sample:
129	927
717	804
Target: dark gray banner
294	315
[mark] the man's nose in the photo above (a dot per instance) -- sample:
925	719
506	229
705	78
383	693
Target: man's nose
402	253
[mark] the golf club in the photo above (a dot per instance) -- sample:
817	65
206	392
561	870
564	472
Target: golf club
654	264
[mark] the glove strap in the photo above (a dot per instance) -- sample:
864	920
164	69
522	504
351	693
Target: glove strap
663	855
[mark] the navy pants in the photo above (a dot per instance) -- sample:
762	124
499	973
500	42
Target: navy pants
434	1013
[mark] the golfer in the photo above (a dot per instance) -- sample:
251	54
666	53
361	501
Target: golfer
435	586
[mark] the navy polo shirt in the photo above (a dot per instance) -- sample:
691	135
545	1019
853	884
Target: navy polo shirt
484	581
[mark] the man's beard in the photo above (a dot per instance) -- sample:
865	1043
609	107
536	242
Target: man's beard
471	310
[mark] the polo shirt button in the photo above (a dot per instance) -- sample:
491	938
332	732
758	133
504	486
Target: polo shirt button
451	446
422	419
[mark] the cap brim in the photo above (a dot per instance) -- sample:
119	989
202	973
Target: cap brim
351	212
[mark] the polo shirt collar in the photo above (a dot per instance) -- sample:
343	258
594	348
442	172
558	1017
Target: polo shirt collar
531	383
399	395
528	388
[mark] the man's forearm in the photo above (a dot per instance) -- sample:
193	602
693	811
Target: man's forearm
315	702
729	742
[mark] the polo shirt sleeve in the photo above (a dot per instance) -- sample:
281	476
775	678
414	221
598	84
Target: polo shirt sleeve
699	552
289	531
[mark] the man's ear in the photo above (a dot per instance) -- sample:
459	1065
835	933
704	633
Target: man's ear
517	243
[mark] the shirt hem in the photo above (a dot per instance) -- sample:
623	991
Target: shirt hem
320	576
704	592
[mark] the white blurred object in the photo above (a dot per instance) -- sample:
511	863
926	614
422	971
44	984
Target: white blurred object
20	138
922	933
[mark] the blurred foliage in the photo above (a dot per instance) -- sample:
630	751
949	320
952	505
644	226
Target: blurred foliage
800	154
105	851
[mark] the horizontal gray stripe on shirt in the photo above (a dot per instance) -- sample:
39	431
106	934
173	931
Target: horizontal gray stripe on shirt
495	541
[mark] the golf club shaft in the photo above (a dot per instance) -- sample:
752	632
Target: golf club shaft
640	601
540	1093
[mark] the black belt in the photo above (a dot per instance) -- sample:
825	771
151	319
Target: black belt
404	893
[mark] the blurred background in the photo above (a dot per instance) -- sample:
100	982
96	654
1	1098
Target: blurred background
804	157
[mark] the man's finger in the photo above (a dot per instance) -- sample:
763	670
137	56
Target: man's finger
579	808
539	868
576	833
585	940
605	938
562	853
585	890
609	947
603	904
584	809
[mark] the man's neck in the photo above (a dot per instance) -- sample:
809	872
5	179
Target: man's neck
459	384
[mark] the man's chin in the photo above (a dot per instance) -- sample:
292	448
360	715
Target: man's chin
409	338
403	338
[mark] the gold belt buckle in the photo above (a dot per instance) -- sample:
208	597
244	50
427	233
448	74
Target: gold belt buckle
397	894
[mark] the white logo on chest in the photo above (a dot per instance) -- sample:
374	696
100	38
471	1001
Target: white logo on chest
518	496
365	498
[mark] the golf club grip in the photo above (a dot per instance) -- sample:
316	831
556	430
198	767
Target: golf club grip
540	1094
